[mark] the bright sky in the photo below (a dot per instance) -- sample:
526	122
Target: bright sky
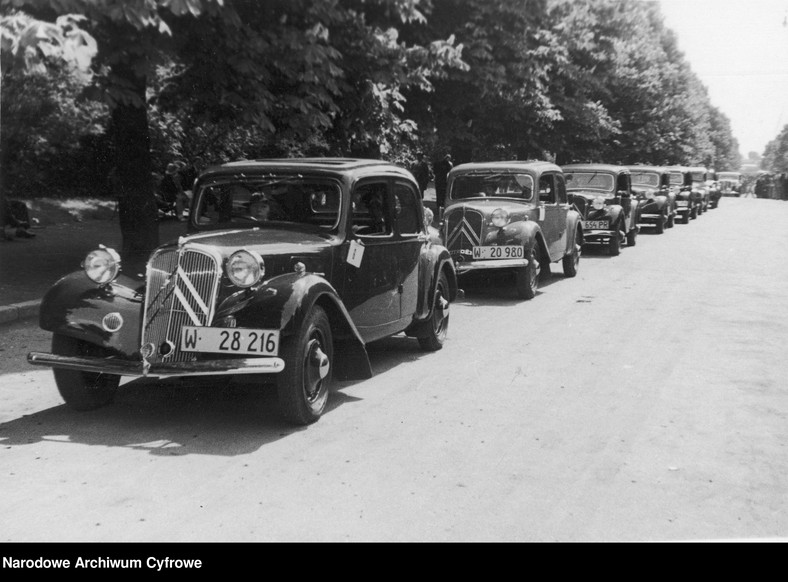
739	50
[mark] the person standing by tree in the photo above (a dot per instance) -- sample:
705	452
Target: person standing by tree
442	169
422	173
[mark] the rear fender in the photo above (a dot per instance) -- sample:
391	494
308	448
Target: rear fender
574	228
433	260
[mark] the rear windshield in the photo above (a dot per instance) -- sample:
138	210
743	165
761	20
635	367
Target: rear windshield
492	185
248	201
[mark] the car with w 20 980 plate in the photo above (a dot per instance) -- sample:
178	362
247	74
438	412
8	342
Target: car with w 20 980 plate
288	270
511	216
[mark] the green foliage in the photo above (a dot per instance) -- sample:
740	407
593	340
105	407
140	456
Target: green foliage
571	80
775	155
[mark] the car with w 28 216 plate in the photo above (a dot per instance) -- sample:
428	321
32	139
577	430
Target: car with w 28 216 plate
602	193
511	216
288	270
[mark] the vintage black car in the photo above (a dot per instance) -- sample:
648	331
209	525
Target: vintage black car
290	267
651	187
511	215
602	193
730	183
700	179
688	200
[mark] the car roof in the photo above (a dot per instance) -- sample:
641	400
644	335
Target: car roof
612	168
330	165
537	166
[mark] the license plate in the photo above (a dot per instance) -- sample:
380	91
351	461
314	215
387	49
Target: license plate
236	340
682	203
596	224
498	252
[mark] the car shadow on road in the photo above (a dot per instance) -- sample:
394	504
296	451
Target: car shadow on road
497	288
203	416
171	418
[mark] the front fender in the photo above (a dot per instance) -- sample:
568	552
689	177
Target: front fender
75	306
283	303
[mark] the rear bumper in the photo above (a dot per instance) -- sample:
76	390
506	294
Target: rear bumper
118	367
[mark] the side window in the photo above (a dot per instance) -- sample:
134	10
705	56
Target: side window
546	189
372	210
406	209
560	189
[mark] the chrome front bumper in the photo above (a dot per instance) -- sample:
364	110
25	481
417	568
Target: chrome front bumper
159	370
463	267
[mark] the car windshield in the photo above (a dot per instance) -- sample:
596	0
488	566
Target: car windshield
597	181
645	179
248	201
493	185
732	176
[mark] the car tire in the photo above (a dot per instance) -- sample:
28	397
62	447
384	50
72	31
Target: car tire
439	320
671	222
614	245
686	218
632	236
82	390
303	385
694	213
526	279
571	261
660	225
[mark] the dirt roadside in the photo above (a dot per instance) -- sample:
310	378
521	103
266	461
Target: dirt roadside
66	230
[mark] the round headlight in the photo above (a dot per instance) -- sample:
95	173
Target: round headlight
500	217
599	203
245	268
102	265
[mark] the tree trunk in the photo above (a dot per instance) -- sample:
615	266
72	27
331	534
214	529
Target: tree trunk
136	200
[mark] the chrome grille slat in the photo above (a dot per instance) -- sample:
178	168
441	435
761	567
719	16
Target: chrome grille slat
181	290
464	229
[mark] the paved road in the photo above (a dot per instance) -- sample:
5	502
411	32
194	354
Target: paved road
642	400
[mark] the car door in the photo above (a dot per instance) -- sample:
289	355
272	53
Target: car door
371	292
412	236
553	213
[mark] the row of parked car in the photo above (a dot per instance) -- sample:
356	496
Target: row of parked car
289	268
526	215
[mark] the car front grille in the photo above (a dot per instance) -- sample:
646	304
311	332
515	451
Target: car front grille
181	290
463	229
